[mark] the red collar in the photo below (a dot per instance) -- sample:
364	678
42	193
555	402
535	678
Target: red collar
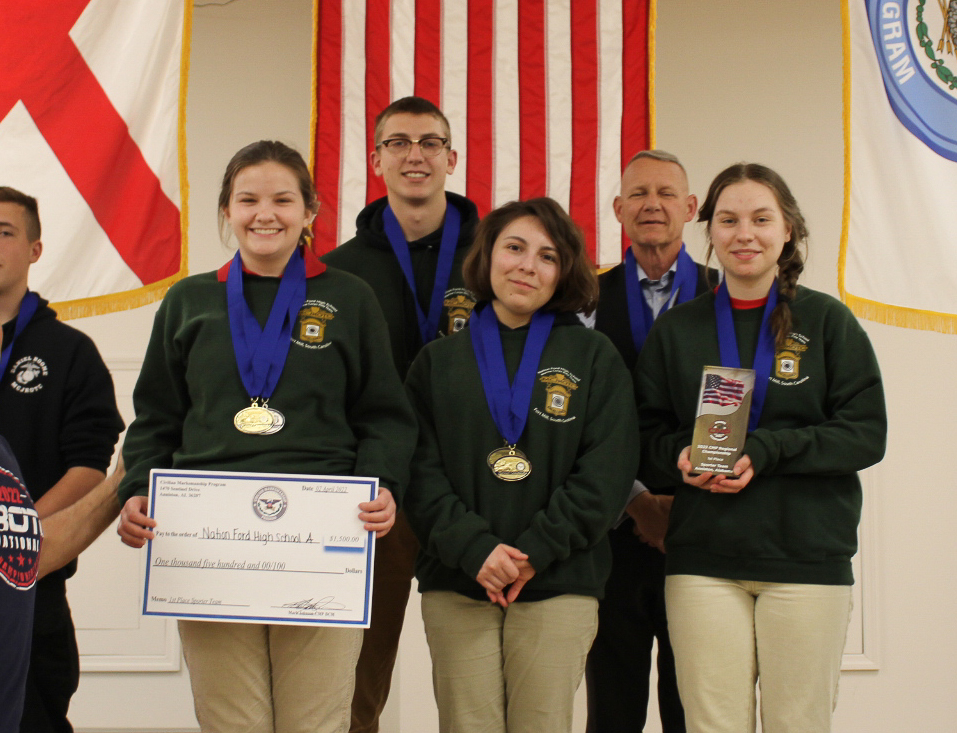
742	305
314	266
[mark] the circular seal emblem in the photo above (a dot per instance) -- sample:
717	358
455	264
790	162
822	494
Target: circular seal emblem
719	430
916	46
270	503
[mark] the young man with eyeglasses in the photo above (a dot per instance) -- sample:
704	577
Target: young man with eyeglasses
409	246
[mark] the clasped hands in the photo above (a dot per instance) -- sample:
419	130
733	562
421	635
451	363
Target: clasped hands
505	567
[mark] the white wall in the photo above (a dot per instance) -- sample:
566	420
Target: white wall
748	80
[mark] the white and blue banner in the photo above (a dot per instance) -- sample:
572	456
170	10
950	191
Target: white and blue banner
898	260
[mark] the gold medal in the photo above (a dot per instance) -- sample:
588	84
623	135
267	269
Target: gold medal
509	463
255	420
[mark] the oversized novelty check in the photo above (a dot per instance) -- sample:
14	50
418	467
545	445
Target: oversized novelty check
266	548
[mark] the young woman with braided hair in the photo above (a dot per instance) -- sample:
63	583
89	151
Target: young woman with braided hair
759	563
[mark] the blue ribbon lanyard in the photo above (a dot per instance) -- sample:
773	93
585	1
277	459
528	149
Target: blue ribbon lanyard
428	325
508	403
639	313
261	352
28	306
764	354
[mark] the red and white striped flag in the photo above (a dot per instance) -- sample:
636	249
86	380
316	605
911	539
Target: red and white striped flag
91	124
544	98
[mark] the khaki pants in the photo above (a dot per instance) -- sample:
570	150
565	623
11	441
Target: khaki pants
507	671
258	678
728	634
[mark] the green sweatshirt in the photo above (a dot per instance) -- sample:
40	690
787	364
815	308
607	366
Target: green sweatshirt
581	439
823	420
346	412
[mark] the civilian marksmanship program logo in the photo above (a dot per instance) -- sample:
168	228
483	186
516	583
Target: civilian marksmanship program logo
916	45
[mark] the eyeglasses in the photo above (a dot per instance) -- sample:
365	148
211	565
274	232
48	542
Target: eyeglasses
430	146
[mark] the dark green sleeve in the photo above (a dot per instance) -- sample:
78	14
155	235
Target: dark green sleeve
583	508
662	435
446	528
854	435
379	412
161	400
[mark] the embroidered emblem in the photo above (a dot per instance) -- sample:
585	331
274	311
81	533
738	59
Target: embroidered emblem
459	303
558	393
313	319
312	324
787	362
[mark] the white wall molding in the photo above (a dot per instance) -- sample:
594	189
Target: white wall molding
862	651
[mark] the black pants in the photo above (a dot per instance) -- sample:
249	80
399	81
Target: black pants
630	618
54	662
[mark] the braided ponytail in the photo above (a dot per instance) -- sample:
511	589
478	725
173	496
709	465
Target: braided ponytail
790	266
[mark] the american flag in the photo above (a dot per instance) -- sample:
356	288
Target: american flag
544	98
722	391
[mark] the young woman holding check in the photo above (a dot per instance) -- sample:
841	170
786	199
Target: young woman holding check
271	364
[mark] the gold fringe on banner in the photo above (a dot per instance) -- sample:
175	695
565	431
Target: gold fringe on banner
314	111
895	315
127	300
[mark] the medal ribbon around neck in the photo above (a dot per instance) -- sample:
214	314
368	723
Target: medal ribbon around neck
428	325
261	352
764	354
639	312
508	403
28	306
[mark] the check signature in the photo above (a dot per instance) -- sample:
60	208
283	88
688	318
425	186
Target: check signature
326	604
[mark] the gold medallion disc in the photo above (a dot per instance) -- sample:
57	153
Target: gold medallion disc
509	464
255	420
